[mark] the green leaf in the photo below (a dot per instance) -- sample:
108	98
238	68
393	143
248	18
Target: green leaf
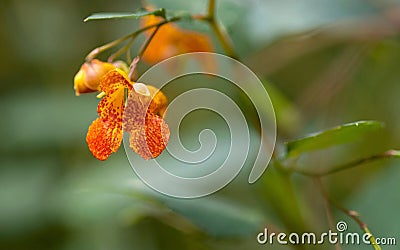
215	215
219	216
338	135
119	15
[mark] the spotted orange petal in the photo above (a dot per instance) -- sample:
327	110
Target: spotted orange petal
111	107
105	133
115	79
149	141
149	133
104	138
113	84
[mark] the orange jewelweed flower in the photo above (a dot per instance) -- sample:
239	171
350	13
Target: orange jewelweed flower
171	40
105	133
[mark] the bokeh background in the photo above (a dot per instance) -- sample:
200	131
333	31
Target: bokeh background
324	63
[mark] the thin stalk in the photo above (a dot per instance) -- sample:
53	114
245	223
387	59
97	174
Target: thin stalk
107	46
146	44
219	30
133	35
128	56
121	50
132	68
211	9
351	213
224	39
331	222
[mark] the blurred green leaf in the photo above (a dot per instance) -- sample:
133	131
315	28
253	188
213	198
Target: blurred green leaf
287	115
103	193
282	199
219	216
119	15
331	137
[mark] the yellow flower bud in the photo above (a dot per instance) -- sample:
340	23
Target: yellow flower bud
88	77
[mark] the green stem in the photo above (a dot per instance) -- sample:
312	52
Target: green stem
386	155
211	9
351	213
146	44
121	50
217	28
107	46
128	57
220	31
133	35
372	238
292	217
224	39
330	219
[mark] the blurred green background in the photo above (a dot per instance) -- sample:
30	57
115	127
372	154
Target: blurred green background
326	63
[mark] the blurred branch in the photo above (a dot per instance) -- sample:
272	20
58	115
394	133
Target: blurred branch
287	206
330	218
211	9
146	44
220	31
210	17
331	80
180	223
351	213
93	54
285	50
131	36
121	50
224	39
